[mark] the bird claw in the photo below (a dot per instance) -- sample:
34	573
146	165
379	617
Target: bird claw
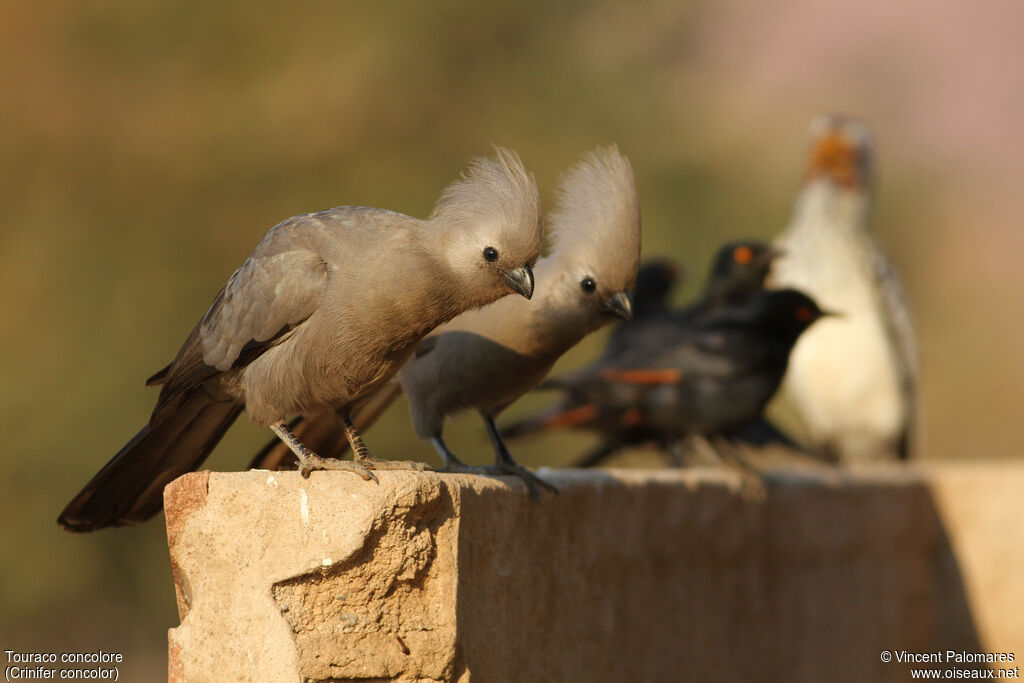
458	468
752	488
310	463
531	480
361	466
375	464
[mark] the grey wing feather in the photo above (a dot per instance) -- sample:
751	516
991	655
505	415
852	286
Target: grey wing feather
898	317
278	287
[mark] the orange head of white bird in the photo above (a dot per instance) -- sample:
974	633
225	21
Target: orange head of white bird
840	152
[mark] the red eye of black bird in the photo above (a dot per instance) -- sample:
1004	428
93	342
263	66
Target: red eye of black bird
743	255
588	285
491	254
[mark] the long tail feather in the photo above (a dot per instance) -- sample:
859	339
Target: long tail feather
129	488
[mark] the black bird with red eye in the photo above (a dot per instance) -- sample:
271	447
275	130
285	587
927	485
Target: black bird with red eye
738	272
708	377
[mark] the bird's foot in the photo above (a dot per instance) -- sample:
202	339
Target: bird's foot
532	481
752	488
361	454
375	464
459	467
311	462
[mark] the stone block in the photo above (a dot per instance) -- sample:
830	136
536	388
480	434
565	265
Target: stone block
628	575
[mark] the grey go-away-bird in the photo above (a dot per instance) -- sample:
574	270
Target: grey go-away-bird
321	315
852	378
486	359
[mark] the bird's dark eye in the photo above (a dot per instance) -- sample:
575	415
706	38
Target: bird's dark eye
588	285
491	254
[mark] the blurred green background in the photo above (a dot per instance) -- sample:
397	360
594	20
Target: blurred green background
146	147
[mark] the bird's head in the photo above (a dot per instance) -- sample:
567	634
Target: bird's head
739	269
787	313
490	228
841	153
596	231
655	281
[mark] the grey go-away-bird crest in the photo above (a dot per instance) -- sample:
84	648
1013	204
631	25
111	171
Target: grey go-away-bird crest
515	200
596	199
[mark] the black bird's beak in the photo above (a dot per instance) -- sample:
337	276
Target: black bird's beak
831	314
520	281
620	305
769	255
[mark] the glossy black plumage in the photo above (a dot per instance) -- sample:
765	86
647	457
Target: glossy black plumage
707	370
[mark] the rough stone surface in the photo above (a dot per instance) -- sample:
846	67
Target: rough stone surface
627	575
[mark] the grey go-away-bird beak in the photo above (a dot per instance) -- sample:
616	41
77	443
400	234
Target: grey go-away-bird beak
520	281
620	305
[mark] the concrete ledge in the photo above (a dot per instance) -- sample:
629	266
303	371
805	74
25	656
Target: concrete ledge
627	575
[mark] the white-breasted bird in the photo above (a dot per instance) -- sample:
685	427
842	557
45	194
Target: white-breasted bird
852	378
486	359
